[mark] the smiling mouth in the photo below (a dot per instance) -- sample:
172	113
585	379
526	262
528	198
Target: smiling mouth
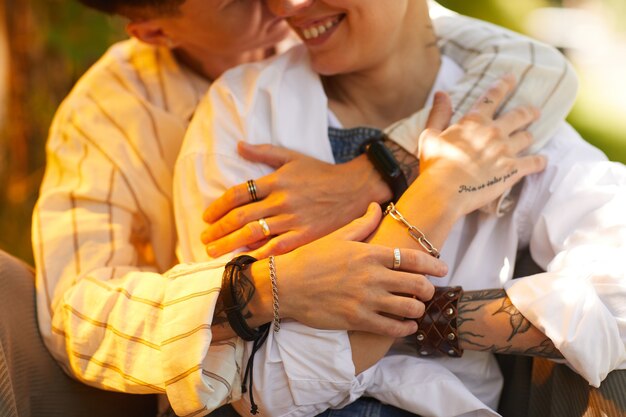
319	28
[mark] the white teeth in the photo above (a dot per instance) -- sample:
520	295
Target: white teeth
316	31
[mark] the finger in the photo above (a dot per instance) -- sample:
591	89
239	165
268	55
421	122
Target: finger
279	245
529	165
441	112
257	245
519	141
236	219
386	326
359	229
411	284
274	156
411	260
490	100
517	119
236	196
401	306
247	235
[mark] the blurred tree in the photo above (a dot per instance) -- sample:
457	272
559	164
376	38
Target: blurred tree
51	43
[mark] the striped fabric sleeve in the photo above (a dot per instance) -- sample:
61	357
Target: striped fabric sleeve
114	309
545	79
486	52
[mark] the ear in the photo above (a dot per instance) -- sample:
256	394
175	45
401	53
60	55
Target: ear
149	31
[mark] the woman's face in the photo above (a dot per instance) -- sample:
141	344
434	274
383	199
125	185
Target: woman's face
345	36
215	27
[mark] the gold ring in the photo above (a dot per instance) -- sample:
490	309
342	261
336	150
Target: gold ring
252	191
397	259
265	227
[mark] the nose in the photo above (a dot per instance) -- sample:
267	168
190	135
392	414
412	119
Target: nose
286	8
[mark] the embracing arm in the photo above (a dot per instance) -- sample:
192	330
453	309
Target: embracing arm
111	308
486	52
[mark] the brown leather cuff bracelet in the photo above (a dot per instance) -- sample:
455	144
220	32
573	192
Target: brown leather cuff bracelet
437	329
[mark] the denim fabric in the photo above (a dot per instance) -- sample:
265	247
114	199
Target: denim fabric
347	143
363	407
367	407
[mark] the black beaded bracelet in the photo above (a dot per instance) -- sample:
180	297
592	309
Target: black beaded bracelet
232	306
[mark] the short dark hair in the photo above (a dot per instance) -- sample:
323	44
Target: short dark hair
120	6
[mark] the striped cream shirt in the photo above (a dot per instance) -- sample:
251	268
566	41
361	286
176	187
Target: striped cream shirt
115	307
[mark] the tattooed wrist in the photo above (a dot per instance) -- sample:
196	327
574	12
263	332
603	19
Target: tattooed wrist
493	181
488	321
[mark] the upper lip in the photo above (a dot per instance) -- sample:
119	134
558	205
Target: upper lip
306	23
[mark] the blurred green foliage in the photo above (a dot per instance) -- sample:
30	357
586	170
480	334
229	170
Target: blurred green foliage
67	38
64	39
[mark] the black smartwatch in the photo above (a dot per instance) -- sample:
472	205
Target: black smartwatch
387	165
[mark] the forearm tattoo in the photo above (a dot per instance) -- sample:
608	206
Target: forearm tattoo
489	183
409	164
475	336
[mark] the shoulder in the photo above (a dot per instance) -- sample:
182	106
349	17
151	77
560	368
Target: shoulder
269	76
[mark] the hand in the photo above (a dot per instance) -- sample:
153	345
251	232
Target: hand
338	282
303	200
474	161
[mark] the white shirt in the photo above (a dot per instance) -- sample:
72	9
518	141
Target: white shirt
578	303
115	307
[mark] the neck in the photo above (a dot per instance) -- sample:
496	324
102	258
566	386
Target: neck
394	89
211	67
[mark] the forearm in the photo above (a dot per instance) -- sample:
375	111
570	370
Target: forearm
489	322
435	219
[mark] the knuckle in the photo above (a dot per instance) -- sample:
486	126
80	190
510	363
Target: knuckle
395	329
238	218
424	288
495	132
233	196
280	246
250	229
420	309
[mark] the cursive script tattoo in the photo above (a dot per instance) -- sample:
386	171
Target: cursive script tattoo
489	183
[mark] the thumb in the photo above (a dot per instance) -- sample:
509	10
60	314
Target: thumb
271	155
441	113
360	229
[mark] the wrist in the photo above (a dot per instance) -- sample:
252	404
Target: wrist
260	305
370	187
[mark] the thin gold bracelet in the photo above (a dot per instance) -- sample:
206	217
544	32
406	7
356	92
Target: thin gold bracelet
414	232
275	305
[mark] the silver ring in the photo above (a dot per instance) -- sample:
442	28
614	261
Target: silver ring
265	227
252	191
397	259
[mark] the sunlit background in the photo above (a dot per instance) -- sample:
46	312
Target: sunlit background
45	46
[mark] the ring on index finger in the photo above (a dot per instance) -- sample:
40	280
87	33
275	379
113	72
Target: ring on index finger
252	191
397	259
265	227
